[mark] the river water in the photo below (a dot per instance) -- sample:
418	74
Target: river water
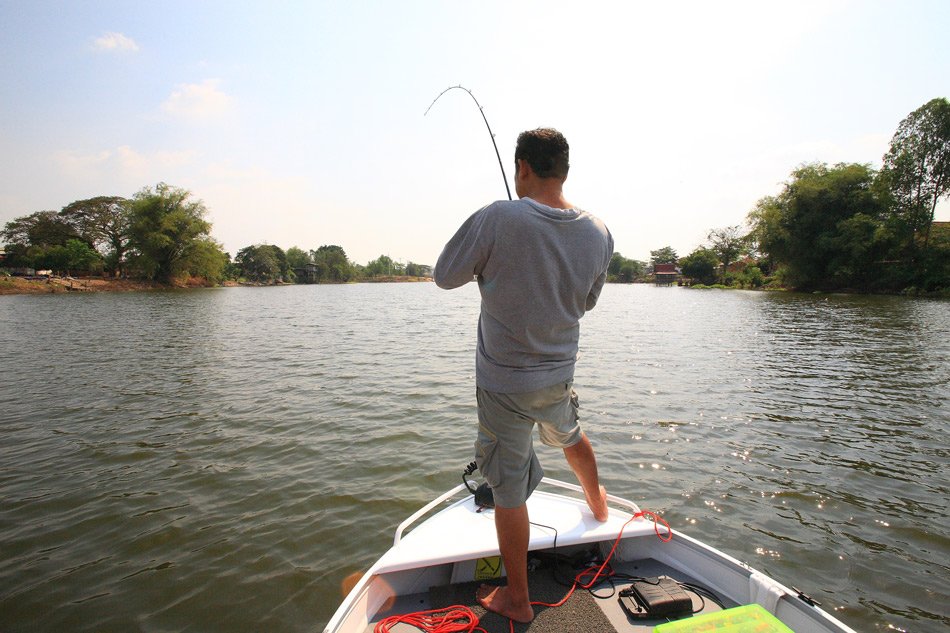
219	460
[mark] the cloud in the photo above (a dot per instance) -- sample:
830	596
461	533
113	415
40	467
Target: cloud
201	101
115	42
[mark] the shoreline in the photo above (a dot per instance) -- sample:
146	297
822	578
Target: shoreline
58	285
55	285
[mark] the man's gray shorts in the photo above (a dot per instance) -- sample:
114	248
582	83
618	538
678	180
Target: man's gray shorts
504	449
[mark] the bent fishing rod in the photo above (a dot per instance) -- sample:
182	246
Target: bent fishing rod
482	110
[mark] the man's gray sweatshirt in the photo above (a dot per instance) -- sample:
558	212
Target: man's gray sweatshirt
539	270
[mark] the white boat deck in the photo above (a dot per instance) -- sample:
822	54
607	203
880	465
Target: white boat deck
463	532
445	551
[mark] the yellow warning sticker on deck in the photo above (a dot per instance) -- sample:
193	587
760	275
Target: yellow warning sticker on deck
488	568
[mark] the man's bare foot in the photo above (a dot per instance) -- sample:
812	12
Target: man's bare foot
598	506
497	600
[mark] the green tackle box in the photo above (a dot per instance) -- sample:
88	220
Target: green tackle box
750	618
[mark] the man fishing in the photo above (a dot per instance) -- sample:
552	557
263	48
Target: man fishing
540	263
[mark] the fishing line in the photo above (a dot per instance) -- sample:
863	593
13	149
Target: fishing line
482	110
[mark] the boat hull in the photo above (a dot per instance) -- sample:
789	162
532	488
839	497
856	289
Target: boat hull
450	548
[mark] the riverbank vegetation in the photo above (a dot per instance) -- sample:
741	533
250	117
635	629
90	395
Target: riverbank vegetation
161	238
843	227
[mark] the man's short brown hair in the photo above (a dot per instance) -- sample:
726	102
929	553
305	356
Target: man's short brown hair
546	151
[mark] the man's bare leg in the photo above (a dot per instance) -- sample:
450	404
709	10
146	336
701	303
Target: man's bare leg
582	461
511	601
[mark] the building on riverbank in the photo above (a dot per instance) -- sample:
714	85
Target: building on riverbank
665	274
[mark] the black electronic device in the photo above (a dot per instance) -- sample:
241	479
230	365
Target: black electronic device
659	597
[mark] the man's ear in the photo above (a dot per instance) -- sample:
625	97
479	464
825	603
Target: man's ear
522	169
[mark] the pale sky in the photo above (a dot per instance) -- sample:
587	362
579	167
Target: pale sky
301	123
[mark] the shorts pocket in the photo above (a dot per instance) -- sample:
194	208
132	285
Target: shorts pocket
486	456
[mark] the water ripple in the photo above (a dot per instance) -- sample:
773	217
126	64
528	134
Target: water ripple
234	454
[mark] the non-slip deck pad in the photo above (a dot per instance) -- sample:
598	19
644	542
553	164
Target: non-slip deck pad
580	613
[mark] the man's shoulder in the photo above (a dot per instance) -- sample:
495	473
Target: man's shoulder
506	206
595	220
506	210
502	211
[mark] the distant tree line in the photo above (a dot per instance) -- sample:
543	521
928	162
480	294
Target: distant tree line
269	264
161	234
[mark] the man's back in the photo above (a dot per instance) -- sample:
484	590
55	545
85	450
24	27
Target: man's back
539	270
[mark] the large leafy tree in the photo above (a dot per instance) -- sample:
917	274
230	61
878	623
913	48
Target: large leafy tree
417	270
168	231
332	263
728	244
76	256
43	228
621	269
297	258
207	259
382	266
701	265
817	224
917	166
263	262
665	255
105	223
31	239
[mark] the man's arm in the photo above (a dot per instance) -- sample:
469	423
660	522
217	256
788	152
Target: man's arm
594	293
465	254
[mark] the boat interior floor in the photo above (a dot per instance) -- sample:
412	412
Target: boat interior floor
595	611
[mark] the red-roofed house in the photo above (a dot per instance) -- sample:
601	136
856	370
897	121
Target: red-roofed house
665	274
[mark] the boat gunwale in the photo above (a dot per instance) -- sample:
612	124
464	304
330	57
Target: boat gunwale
740	585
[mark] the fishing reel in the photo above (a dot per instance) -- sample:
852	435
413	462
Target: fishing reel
484	498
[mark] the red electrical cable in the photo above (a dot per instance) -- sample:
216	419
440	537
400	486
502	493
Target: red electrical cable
454	619
578	582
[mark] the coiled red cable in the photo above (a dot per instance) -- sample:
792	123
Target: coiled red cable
454	619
